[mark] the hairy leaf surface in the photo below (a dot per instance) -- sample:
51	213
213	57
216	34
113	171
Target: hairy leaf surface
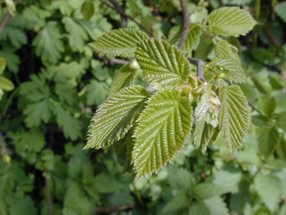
163	128
124	78
122	42
230	21
234	117
115	117
162	62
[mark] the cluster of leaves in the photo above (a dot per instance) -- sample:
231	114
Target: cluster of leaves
162	118
59	83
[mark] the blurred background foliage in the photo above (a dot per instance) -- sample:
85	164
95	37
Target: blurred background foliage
51	83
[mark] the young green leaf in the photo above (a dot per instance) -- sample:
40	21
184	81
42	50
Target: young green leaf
115	117
269	190
122	42
193	37
280	10
234	116
204	133
231	68
163	128
124	78
162	62
6	84
224	49
230	21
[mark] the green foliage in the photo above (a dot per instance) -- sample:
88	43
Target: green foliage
230	21
122	42
165	124
234	116
161	110
163	128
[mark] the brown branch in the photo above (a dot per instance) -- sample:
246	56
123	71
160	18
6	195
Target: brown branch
6	17
272	38
49	196
4	21
186	23
200	71
108	210
122	13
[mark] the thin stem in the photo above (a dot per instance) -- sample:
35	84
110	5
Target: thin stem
137	194
122	13
6	18
49	196
200	71
186	23
4	21
119	61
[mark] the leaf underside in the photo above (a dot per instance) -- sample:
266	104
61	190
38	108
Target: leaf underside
115	117
122	42
234	116
163	128
162	63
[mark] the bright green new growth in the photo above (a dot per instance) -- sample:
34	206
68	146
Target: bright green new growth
149	127
234	116
228	21
162	63
120	42
163	128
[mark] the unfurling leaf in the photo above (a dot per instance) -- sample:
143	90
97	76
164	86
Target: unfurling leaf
234	116
115	117
230	21
122	42
204	133
162	62
163	128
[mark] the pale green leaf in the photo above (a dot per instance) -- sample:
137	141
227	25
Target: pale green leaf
206	190
224	49
204	133
280	10
6	84
199	208
122	42
179	201
231	68
115	117
124	78
230	21
193	37
48	43
216	206
234	116
163	128
281	120
269	190
162	62
268	138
